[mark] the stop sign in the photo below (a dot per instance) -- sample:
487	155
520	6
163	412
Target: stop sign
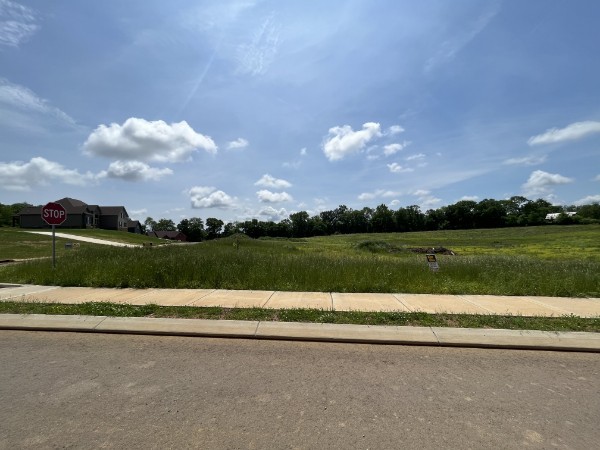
54	213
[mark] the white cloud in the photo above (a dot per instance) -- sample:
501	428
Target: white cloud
17	23
138	213
571	132
272	214
540	182
425	199
588	200
343	141
526	161
391	149
394	203
597	178
397	168
134	171
20	97
472	198
266	196
379	193
23	176
415	157
142	140
395	129
272	182
209	197
237	144
365	196
255	57
303	151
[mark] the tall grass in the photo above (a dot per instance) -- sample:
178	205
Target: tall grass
286	266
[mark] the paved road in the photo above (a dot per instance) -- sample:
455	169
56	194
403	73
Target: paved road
117	391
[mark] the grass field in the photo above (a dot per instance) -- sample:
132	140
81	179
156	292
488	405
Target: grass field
17	244
551	260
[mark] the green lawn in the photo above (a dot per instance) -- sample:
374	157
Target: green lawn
551	260
418	319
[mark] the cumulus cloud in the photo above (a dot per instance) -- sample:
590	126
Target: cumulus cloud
275	215
303	151
265	196
571	132
526	161
143	140
472	198
134	171
209	197
344	141
397	168
541	183
23	176
272	182
588	200
392	149
17	23
237	144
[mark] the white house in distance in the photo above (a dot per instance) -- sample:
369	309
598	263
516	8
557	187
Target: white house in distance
554	216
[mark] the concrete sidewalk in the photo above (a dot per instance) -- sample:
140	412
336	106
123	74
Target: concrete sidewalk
430	336
434	303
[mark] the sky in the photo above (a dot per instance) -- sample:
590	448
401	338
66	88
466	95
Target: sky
258	109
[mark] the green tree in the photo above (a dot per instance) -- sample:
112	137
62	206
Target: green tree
164	225
150	224
213	227
299	224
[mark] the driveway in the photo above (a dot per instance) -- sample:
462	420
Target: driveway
84	239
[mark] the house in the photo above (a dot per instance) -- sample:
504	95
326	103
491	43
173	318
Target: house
172	235
554	216
79	215
134	226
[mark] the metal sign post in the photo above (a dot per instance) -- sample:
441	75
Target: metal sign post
54	214
53	248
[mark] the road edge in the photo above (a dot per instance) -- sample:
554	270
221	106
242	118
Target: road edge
318	332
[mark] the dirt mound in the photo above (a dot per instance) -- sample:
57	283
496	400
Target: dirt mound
434	250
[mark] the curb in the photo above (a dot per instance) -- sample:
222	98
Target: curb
323	332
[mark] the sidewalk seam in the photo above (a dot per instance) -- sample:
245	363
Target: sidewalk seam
436	336
269	299
254	336
99	323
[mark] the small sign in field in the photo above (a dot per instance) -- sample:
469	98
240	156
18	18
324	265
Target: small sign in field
432	261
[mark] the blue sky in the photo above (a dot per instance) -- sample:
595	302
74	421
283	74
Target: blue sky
257	109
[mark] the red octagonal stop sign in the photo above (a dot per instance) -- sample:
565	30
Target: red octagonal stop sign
54	213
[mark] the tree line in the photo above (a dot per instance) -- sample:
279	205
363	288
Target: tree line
465	214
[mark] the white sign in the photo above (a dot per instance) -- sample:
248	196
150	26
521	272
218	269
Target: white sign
432	261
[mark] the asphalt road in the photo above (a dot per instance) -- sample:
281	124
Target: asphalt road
68	390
